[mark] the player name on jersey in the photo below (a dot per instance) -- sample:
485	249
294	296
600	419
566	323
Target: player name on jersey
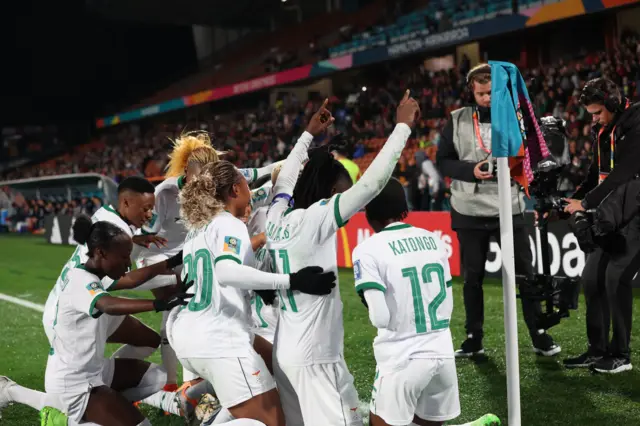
412	244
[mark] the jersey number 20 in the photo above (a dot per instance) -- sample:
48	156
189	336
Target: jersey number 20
418	304
203	285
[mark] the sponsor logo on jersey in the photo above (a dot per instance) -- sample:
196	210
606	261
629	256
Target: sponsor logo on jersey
357	270
231	245
94	288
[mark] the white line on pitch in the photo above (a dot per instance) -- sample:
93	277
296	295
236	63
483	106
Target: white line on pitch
35	306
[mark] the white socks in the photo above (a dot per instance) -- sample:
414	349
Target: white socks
166	401
169	358
133	352
153	381
33	398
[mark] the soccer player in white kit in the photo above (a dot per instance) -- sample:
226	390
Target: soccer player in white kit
402	275
216	250
135	205
190	153
315	385
79	380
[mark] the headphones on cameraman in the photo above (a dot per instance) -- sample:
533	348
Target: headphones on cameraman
478	69
611	99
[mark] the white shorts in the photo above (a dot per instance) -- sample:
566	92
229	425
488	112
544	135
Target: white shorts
427	388
75	403
235	380
323	394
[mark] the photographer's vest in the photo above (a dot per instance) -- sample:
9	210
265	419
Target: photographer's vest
477	198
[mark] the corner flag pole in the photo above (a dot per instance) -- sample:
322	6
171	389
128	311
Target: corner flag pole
509	290
506	141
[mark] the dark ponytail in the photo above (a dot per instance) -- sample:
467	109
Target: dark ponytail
81	229
318	178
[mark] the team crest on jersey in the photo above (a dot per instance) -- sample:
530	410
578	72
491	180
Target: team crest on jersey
324	202
259	195
357	270
93	288
231	245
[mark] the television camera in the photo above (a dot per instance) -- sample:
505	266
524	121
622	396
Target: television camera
557	294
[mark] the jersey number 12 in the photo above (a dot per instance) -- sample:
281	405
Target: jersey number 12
418	304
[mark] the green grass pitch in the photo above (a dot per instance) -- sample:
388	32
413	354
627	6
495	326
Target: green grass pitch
550	395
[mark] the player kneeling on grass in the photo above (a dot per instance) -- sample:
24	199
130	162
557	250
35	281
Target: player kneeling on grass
79	380
216	250
402	274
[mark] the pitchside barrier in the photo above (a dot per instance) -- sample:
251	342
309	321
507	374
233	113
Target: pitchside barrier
566	257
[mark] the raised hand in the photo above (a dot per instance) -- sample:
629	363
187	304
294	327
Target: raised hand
321	120
408	110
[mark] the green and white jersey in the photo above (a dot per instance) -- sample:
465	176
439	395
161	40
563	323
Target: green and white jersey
166	221
80	257
219	316
77	349
261	197
310	328
410	265
265	317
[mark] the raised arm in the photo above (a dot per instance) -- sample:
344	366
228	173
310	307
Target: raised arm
380	170
291	169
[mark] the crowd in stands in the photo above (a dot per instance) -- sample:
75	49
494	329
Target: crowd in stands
19	214
364	118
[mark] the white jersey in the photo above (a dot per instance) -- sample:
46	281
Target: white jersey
79	257
265	317
410	265
310	329
166	221
219	316
257	222
76	357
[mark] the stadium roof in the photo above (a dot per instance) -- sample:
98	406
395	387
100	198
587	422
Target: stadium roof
223	13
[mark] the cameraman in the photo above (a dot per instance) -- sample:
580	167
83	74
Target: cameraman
464	152
607	275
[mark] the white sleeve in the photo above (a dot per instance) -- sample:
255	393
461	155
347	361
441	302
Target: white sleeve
159	214
244	277
229	240
368	280
365	272
377	175
291	169
379	314
252	175
85	294
230	246
288	177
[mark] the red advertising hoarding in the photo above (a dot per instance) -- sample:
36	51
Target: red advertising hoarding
357	230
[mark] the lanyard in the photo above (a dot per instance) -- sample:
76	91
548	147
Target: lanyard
476	126
612	140
613	148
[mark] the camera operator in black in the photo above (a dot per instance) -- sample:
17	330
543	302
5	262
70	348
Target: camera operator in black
607	275
463	154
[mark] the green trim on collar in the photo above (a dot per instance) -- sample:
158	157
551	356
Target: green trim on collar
396	227
181	182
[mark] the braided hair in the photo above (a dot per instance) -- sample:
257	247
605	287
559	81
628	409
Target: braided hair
318	178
